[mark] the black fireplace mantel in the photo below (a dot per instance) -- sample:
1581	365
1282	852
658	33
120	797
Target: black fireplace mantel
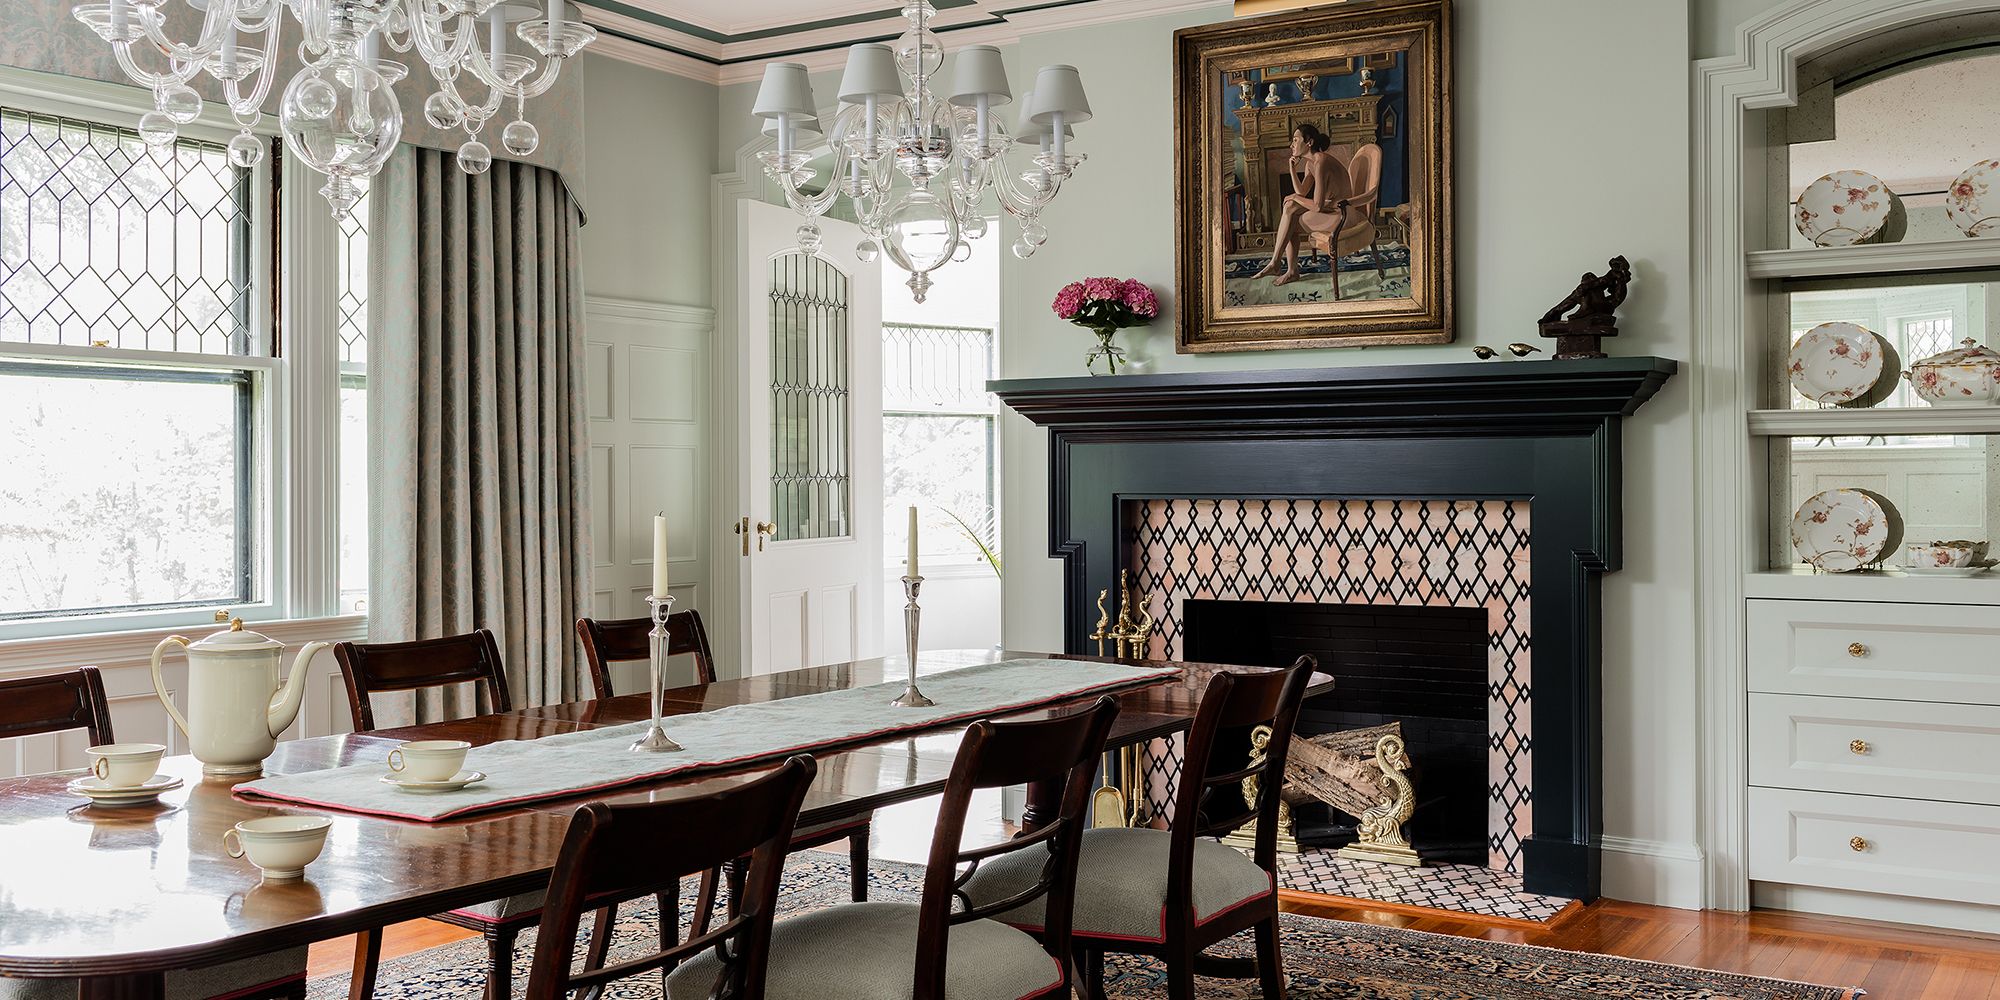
1543	431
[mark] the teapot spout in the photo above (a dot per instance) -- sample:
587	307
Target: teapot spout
284	708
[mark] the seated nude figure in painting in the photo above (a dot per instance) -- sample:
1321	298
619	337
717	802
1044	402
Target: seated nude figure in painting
1319	185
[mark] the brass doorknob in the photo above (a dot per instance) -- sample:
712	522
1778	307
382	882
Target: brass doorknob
765	529
1856	649
1857	746
1858	843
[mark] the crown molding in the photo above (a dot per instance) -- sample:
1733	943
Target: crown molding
661	48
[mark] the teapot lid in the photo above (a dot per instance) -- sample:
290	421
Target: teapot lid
1968	351
236	639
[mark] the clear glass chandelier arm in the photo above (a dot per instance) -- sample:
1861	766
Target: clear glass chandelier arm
1018	201
177	73
232	89
816	204
437	45
314	22
221	14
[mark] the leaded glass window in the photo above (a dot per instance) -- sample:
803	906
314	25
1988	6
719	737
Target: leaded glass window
938	439
811	492
105	242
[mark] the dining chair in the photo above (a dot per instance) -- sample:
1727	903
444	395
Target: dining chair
932	949
427	663
1172	894
627	639
615	853
74	699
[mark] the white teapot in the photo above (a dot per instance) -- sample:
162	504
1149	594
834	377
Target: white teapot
236	708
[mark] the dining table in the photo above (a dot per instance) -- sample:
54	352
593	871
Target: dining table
116	897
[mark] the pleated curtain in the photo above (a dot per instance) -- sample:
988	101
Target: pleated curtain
478	454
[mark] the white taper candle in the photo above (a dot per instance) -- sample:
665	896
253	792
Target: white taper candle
910	564
660	580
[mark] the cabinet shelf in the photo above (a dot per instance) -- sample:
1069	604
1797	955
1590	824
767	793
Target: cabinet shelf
1887	421
1891	586
1874	259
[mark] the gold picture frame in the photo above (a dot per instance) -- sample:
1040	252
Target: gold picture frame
1369	260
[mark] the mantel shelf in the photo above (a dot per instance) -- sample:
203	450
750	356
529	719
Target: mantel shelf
1834	422
1875	259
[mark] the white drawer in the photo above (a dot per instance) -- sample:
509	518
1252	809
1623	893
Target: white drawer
1939	850
1912	652
1908	749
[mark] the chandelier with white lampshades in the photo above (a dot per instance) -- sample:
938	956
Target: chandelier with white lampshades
339	114
916	168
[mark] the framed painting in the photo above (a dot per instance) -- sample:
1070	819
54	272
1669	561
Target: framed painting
1312	178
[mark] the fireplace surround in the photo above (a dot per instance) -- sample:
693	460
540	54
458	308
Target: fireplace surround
1543	434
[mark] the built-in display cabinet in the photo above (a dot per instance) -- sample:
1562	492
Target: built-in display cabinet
1853	737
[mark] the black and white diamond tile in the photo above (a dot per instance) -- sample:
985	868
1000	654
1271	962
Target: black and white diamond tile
1458	888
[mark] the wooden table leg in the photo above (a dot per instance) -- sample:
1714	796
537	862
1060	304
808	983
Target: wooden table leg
367	960
1044	804
130	986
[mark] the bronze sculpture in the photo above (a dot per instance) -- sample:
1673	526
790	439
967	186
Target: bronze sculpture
1595	301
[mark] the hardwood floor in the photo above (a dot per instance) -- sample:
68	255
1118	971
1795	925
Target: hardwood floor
1891	962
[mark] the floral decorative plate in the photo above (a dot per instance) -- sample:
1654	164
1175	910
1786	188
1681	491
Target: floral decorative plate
1970	201
1843	208
1836	363
1843	530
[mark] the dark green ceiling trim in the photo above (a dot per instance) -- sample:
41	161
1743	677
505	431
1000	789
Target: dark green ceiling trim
893	13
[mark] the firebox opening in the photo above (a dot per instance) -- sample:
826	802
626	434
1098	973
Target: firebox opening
1424	667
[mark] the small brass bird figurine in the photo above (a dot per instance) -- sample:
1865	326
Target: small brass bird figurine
1484	352
1522	350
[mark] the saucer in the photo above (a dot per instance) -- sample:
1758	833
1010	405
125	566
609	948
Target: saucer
92	787
451	784
1944	570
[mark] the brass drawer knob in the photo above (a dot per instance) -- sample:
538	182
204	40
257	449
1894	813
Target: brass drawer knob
1856	650
1858	843
1857	746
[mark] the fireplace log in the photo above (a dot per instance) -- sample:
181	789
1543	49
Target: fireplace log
1339	768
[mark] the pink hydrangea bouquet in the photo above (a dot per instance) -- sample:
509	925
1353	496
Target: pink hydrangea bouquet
1105	306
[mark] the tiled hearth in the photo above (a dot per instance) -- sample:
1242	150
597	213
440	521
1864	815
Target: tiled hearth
1459	888
1460	553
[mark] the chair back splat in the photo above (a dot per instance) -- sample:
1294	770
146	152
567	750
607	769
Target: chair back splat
1209	804
617	641
53	703
614	853
997	755
422	663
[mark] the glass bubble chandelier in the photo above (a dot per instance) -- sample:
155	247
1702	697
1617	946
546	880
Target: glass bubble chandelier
339	113
916	168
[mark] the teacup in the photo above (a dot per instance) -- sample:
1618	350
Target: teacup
280	845
126	765
428	760
1943	555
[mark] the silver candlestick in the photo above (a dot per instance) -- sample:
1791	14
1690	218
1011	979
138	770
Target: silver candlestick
911	697
656	738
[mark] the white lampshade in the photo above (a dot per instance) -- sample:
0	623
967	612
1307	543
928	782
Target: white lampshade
871	72
1059	90
786	90
1026	129
980	72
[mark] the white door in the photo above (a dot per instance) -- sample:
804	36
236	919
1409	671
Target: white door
810	520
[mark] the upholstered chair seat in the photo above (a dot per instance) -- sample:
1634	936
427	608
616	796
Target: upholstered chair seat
868	951
1121	884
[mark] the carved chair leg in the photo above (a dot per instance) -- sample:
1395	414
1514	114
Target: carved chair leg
1270	963
857	864
704	903
500	962
734	872
1089	966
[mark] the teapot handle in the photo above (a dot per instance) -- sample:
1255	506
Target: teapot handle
160	685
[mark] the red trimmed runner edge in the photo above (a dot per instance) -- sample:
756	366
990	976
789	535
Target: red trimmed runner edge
258	795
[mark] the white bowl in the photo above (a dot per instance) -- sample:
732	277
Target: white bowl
280	845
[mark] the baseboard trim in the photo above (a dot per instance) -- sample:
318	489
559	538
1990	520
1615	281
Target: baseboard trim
1925	914
1653	871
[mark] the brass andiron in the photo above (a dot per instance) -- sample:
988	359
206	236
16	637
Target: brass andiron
1379	835
1245	836
1128	635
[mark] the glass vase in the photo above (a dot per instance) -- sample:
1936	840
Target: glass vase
1111	356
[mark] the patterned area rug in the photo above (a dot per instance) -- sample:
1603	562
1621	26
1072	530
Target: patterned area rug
1324	960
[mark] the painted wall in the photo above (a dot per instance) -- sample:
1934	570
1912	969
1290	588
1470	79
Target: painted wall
649	236
1532	77
1715	22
